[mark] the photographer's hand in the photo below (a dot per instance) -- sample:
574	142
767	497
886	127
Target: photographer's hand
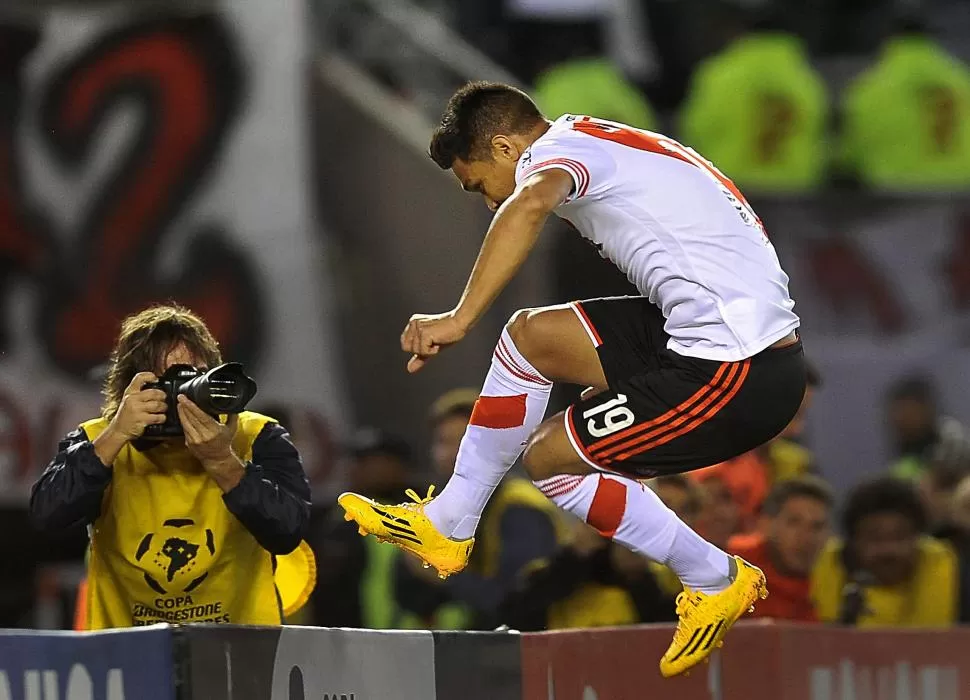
211	443
138	409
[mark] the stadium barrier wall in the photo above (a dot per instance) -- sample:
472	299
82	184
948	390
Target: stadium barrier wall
760	662
122	665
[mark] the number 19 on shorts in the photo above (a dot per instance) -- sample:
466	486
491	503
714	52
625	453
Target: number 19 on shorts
615	416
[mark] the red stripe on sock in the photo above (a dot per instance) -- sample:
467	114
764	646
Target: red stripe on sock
562	488
609	504
503	350
512	370
499	411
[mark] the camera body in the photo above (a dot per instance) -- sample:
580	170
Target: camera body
221	390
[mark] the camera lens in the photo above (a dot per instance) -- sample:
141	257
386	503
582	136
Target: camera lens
224	394
223	389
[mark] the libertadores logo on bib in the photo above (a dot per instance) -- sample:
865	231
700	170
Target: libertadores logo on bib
175	555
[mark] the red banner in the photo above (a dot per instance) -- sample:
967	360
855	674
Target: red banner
603	664
760	661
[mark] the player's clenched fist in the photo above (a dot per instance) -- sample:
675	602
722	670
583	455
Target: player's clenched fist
426	334
139	407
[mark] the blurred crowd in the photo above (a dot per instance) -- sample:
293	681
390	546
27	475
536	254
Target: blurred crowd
787	98
894	551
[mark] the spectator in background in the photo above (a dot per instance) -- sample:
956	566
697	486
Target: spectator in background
581	80
920	434
518	527
905	577
680	494
906	120
937	485
718	518
355	586
751	476
758	111
959	538
795	525
945	488
592	582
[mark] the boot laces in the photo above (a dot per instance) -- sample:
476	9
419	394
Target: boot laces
686	601
418	502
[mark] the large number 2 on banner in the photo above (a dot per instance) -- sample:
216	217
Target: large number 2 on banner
661	145
616	416
184	77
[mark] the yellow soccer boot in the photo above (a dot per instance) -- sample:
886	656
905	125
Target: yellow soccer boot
706	618
407	527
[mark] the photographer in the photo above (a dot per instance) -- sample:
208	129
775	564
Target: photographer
185	526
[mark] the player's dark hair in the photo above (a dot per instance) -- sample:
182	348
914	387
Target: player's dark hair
476	113
799	487
885	494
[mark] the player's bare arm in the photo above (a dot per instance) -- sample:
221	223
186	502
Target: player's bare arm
508	242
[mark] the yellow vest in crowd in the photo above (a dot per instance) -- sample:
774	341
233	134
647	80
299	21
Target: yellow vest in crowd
165	547
512	492
928	600
594	605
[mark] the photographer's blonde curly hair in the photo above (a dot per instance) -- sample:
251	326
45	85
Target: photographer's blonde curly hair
145	340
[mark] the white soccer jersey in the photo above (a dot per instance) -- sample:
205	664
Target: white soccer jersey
678	228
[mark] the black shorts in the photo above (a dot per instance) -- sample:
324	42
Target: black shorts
665	413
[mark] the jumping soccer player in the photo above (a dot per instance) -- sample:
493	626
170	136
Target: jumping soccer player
703	367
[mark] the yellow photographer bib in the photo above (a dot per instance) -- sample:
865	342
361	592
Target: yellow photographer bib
165	547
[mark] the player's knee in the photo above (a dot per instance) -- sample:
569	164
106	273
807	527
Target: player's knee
518	328
532	461
538	459
525	329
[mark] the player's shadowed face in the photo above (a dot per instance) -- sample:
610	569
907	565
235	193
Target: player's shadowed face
492	177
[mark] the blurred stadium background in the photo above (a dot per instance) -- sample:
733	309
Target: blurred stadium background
265	164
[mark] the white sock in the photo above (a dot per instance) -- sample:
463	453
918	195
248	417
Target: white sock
634	516
512	404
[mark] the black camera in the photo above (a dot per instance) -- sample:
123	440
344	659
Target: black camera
220	390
